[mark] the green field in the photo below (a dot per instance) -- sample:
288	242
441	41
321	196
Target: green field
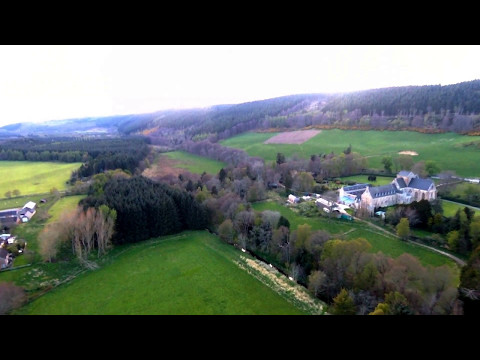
362	179
188	273
450	208
449	150
20	201
388	245
31	177
194	163
64	204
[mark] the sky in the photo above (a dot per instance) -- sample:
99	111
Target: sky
40	83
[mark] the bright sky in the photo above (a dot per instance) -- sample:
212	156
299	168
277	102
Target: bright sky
39	83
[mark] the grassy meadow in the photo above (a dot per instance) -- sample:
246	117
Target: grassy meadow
450	151
188	273
380	241
31	177
194	163
63	204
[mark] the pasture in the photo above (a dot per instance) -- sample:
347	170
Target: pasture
194	163
64	204
31	177
450	151
175	162
380	241
189	273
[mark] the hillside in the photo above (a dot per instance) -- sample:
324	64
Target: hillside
429	108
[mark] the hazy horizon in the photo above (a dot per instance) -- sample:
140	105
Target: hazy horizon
44	83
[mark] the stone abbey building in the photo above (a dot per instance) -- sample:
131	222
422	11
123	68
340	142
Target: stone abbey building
404	189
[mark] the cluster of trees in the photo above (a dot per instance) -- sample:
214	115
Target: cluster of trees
470	284
329	267
145	208
422	108
79	232
223	121
96	154
462	230
339	271
464	192
447	108
295	173
411	100
45	155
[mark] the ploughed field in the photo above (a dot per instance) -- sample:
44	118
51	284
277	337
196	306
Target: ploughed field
450	151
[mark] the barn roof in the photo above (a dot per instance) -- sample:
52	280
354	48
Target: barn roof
30	205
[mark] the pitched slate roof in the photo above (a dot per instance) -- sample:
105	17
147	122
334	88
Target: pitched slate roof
357	193
384	190
401	183
404	173
355	187
422	184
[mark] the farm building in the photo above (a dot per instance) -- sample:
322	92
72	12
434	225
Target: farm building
404	189
25	214
9	216
292	199
323	202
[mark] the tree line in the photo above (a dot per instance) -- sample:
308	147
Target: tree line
96	154
145	208
432	108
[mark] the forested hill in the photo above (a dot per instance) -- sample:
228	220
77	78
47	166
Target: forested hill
429	108
463	98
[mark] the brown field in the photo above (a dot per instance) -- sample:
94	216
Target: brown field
408	152
164	166
292	137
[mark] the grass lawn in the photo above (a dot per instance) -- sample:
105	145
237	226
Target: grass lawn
450	207
187	273
456	153
20	201
333	226
363	179
388	245
31	177
64	204
194	163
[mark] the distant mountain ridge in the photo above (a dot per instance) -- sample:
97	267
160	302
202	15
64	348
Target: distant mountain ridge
429	108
